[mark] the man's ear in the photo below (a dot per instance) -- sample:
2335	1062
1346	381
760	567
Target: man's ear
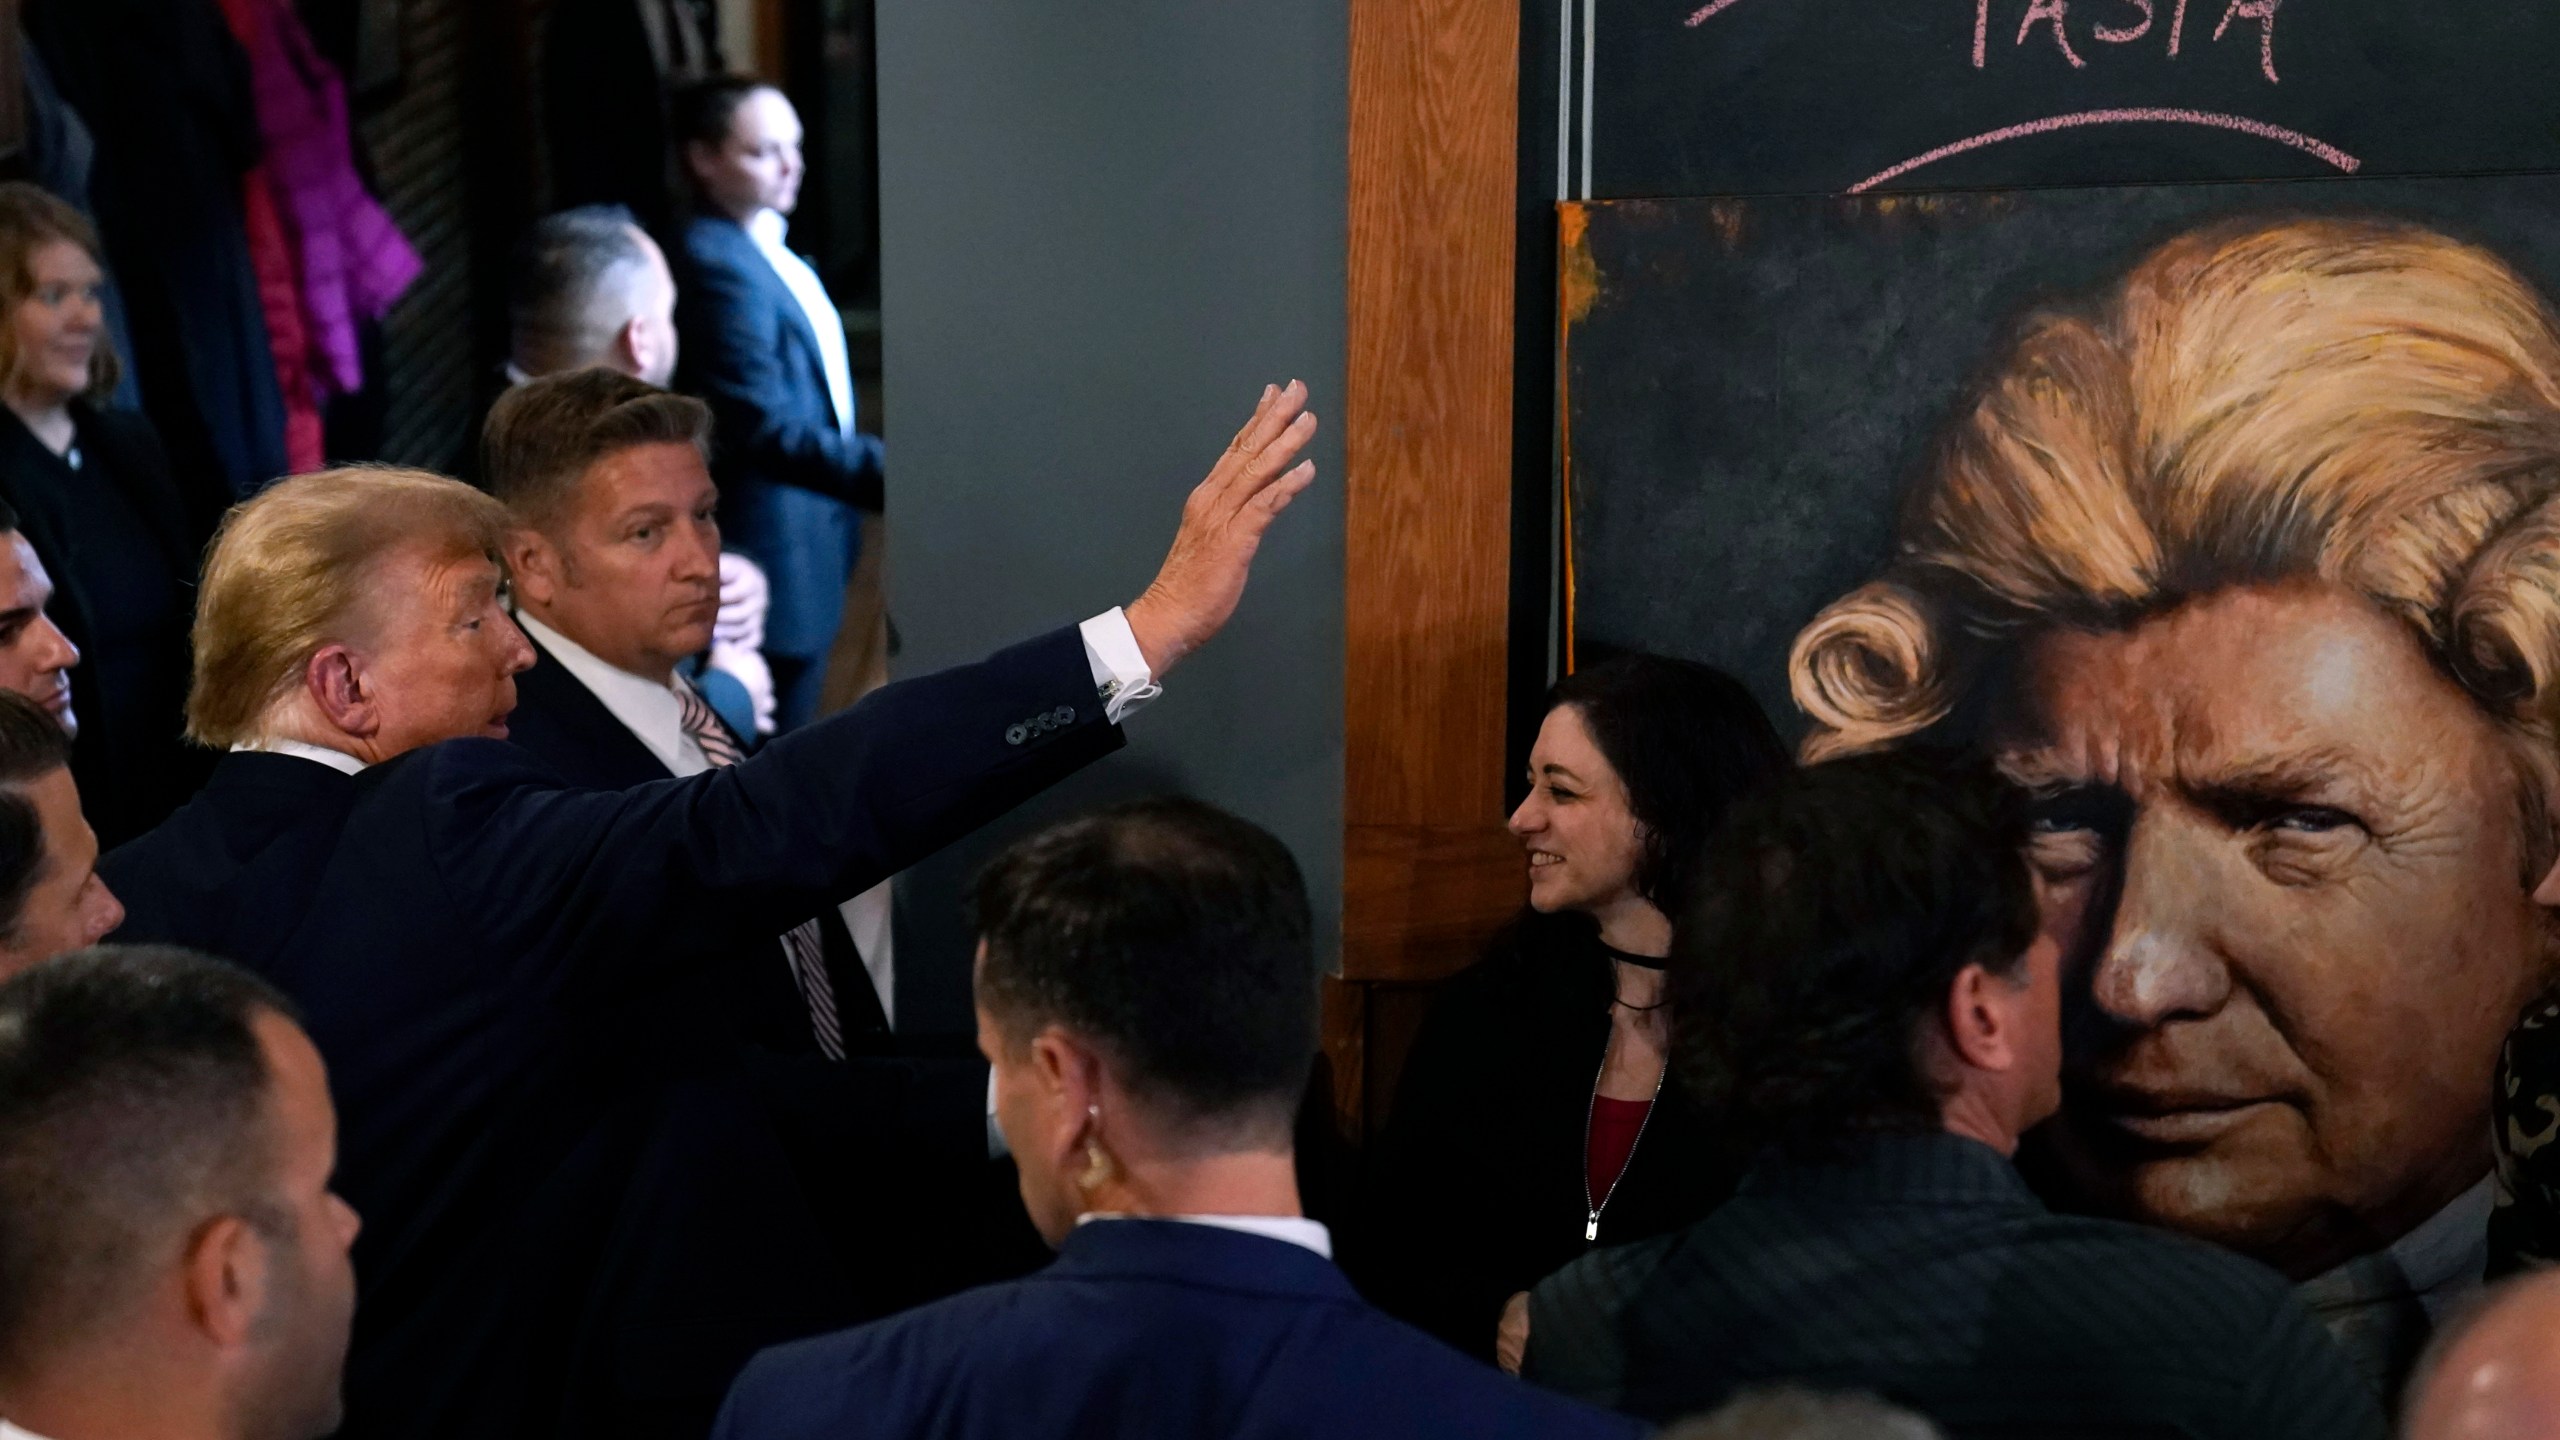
336	681
1979	1030
533	566
226	1275
1067	1076
631	347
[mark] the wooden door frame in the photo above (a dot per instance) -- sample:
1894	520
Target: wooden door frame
1428	872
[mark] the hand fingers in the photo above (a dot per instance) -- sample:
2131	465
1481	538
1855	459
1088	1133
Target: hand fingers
1270	421
1257	515
1260	409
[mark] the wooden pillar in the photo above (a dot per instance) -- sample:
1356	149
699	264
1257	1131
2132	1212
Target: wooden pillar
1427	871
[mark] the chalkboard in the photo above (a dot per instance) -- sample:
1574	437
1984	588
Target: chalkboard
1750	383
1717	97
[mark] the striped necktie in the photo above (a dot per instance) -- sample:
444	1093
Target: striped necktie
803	944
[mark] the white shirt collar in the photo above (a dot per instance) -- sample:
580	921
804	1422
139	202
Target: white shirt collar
649	709
2446	1257
826	323
1294	1229
12	1432
338	760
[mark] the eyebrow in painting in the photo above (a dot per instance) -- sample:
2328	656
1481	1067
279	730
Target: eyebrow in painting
2321	772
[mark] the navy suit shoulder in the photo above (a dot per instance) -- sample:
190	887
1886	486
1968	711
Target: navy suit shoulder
1146	1329
480	950
560	720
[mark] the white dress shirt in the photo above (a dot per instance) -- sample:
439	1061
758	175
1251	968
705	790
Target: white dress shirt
1297	1230
767	227
12	1432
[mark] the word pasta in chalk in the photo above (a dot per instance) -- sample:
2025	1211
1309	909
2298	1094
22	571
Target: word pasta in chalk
2125	22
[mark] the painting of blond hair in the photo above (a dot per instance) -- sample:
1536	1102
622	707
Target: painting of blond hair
2369	403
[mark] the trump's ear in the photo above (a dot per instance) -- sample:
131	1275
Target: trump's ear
334	678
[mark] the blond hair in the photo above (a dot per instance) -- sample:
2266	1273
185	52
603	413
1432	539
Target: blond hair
2363	402
288	573
30	219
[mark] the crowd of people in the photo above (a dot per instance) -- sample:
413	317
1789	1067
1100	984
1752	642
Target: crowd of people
445	986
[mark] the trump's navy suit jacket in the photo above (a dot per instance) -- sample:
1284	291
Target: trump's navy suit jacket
504	976
791	478
1147	1328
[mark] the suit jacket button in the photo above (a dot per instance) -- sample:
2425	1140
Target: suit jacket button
1064	715
1016	735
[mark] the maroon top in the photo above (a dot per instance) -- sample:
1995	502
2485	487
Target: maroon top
1614	1127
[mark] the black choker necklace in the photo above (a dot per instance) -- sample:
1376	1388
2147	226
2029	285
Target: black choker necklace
1641	962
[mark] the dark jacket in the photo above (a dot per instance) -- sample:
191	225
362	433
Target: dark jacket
1478	1186
562	723
165	90
792	482
1141	1329
504	976
131	761
1922	1269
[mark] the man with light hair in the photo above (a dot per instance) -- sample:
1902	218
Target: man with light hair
505	972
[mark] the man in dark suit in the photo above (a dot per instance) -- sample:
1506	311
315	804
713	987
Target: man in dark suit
615	569
1865	991
503	971
1147	997
766	346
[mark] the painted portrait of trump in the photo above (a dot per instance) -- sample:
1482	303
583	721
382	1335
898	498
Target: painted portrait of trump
2248	568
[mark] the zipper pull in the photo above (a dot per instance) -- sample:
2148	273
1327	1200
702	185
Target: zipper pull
1591	1228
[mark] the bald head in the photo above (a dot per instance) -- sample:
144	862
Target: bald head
2497	1375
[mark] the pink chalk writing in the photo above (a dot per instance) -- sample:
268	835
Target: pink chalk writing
2051	11
2264	12
2056	17
1707	11
2127	34
2345	162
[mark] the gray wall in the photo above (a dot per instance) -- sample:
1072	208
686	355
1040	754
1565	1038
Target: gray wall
1103	227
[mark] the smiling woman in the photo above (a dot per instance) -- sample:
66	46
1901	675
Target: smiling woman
1532	1121
105	518
2251	570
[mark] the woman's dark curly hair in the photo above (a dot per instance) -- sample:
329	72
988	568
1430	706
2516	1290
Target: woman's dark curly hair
1831	915
1687	740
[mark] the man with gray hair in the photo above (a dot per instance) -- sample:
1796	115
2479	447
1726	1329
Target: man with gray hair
173	1263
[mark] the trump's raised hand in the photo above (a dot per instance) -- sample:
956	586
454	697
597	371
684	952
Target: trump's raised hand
1222	526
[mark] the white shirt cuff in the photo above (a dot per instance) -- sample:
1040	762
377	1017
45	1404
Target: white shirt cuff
997	1149
1120	670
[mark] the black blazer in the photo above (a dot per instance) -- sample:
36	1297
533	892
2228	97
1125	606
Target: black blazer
132	762
566	727
1477	1187
1146	1329
1922	1269
504	976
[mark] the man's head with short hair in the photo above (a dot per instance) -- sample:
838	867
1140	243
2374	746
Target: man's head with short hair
195	1278
1792	1414
51	898
356	609
2493	1370
616	534
1863	955
35	656
1146	988
591	288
